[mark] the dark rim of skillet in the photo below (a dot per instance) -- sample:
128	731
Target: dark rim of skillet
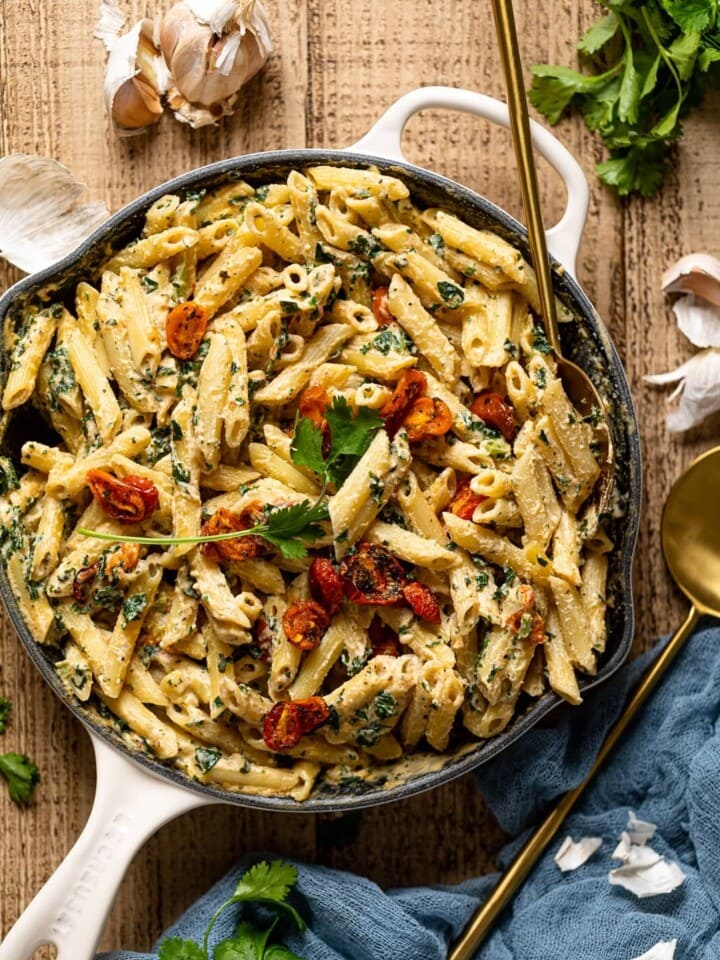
586	341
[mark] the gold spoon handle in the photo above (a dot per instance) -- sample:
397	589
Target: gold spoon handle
522	142
481	923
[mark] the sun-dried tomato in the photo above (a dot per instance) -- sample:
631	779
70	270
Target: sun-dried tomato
288	720
185	328
465	501
421	601
326	586
305	623
130	500
373	576
83	580
411	385
380	307
239	548
495	412
527	620
427	417
383	639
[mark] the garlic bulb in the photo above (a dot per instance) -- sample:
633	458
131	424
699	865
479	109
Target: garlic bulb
212	48
43	214
135	79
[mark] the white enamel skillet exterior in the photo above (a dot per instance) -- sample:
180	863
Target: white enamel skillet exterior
132	803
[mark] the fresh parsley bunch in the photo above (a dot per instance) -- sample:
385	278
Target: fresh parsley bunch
19	771
265	883
649	62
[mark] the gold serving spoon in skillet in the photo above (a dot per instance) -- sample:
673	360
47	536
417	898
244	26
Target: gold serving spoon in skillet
578	386
691	545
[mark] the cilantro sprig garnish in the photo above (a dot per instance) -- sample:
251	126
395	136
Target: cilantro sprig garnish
290	529
20	773
350	436
267	884
293	529
651	61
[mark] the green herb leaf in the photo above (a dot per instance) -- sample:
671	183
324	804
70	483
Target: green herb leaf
174	948
132	608
249	943
207	757
306	446
599	34
22	776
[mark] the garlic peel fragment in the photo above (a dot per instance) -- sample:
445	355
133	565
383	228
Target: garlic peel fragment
110	23
214	13
572	855
697	273
43	213
664	950
698	320
644	872
639	831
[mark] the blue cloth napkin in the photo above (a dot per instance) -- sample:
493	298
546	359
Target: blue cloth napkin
667	769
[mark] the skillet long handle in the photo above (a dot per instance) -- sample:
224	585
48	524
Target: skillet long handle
71	909
511	881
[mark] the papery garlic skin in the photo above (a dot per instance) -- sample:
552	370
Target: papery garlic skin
135	79
43	213
698	390
212	48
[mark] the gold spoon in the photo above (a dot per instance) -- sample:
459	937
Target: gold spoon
691	545
578	386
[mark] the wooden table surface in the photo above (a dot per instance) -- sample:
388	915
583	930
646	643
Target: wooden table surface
337	64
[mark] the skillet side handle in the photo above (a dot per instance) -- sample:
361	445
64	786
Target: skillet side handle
385	139
71	909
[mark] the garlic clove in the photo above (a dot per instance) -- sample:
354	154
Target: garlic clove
43	213
213	47
698	390
697	273
135	79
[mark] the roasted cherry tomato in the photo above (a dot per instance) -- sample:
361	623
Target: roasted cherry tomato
126	557
129	500
305	624
288	720
464	502
185	328
380	307
421	601
383	639
411	385
326	585
373	576
527	622
496	412
240	548
313	713
427	417
313	403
